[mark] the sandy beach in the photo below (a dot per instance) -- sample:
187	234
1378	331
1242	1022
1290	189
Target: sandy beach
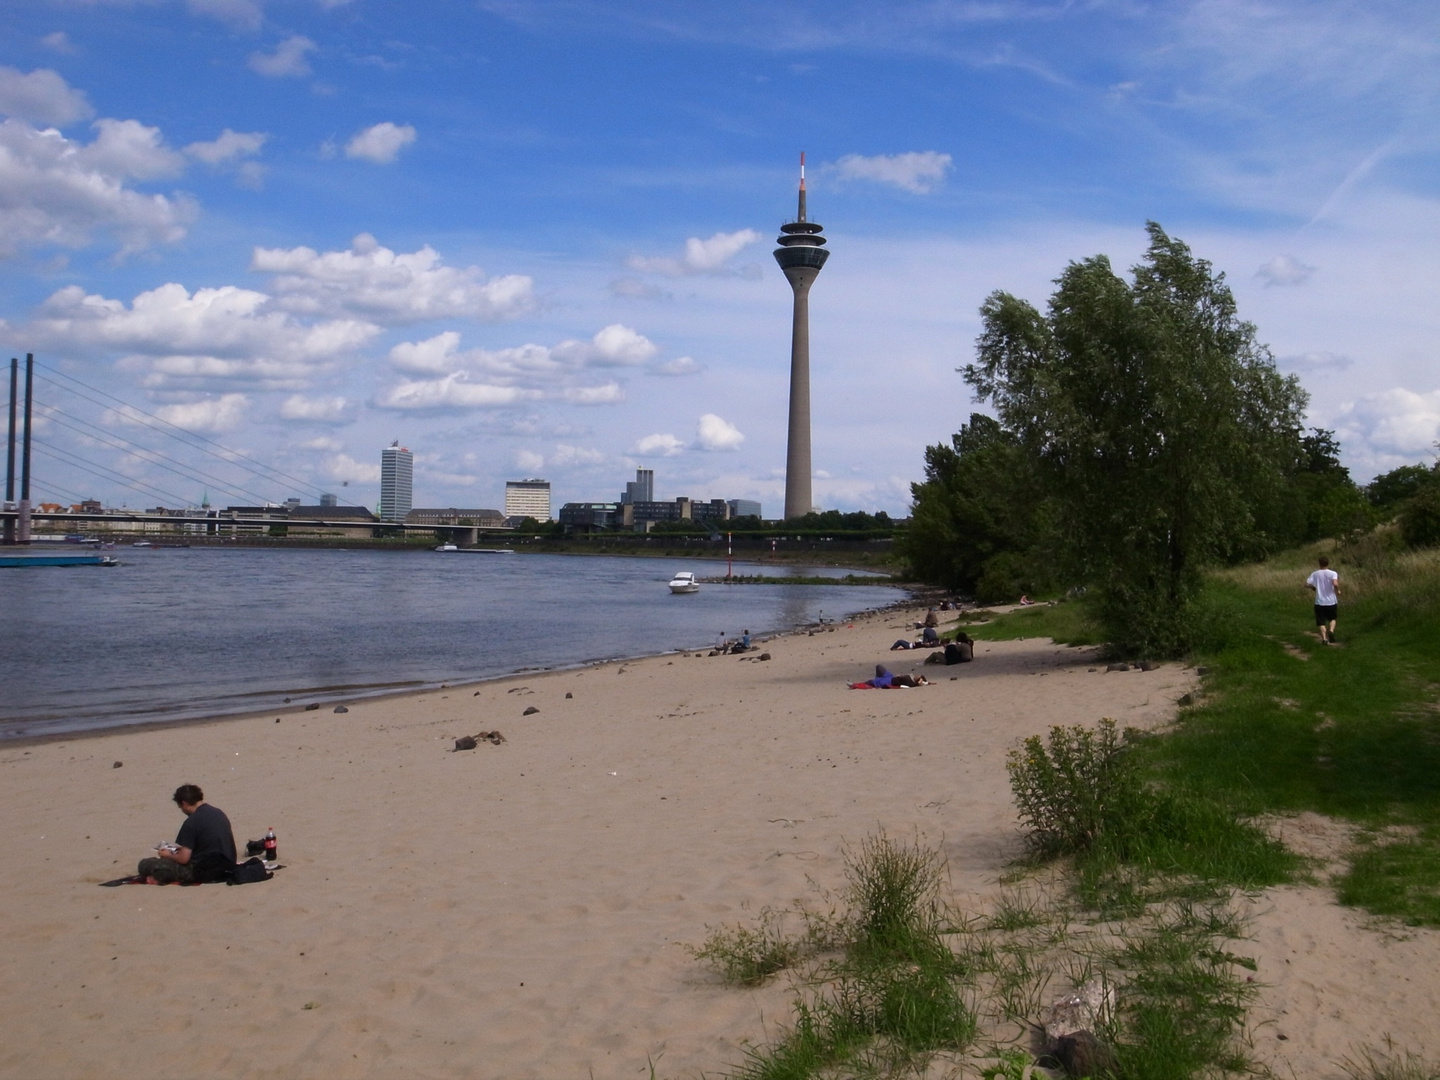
522	910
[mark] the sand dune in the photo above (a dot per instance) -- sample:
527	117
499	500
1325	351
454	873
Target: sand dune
521	910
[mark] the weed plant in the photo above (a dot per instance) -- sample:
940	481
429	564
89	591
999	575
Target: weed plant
748	955
1388	1063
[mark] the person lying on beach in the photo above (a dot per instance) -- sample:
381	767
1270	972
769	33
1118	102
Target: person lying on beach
884	680
204	849
930	639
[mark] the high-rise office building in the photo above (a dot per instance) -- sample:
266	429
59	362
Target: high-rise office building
527	498
801	254
642	488
397	476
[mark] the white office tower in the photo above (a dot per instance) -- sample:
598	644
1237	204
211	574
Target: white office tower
397	476
527	498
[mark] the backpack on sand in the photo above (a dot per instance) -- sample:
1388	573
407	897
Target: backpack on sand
249	872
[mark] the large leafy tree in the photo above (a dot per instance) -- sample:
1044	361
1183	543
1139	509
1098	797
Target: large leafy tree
975	518
1157	421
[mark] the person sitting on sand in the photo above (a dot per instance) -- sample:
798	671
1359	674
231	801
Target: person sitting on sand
931	618
1025	600
930	639
204	849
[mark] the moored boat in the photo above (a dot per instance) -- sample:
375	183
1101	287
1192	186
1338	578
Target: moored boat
684	582
10	558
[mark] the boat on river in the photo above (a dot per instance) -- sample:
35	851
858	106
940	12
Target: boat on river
684	582
14	558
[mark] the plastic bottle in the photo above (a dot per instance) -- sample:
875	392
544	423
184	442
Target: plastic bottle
270	845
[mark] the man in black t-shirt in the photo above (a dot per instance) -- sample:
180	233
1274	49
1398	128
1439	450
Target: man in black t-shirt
204	849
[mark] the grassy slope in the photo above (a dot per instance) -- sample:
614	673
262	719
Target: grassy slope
1286	724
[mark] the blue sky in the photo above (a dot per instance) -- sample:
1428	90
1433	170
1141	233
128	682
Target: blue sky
533	239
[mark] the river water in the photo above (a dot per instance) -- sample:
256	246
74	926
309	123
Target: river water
182	633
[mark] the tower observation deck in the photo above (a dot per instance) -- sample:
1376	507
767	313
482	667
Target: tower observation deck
801	254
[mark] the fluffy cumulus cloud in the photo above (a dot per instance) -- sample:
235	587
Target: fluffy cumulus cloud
917	171
374	282
457	391
212	414
230	146
380	143
445	376
287	61
665	445
60	191
42	97
1284	270
320	410
528	461
347	470
710	256
1391	428
714	433
223	335
681	365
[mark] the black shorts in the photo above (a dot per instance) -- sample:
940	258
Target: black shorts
1325	613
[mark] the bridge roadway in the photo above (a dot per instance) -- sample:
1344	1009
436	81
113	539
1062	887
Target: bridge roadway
234	524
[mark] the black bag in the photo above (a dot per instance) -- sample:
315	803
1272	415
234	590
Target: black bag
249	872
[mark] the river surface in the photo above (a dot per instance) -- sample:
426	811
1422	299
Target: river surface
183	633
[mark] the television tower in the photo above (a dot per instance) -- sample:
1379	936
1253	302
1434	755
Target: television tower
801	254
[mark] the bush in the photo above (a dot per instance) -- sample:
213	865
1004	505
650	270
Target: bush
1074	786
1420	520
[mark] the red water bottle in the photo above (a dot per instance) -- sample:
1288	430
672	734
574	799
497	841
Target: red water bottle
269	845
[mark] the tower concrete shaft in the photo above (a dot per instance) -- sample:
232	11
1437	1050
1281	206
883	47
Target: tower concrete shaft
801	254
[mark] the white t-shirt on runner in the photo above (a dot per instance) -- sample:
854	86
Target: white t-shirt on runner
1323	582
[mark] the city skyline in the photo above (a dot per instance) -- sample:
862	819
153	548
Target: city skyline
529	239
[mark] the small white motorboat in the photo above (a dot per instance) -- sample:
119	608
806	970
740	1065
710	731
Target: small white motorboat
684	582
446	547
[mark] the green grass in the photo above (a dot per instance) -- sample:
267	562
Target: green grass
1286	724
1065	621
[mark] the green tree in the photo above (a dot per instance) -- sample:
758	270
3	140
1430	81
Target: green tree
974	519
1157	420
1389	492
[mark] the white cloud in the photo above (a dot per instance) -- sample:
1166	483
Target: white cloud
920	172
56	190
347	470
287	61
665	445
59	42
329	410
527	461
566	455
614	346
713	433
374	282
228	147
212	415
322	442
222	334
452	392
681	365
606	394
1397	426
380	143
1284	270
701	256
240	14
42	97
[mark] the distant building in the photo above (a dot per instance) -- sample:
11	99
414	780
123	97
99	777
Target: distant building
354	522
744	508
716	510
587	517
485	519
326	499
397	475
641	489
527	498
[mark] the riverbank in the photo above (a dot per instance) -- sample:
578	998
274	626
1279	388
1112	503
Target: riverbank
522	909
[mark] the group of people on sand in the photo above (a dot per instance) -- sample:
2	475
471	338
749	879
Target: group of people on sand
959	650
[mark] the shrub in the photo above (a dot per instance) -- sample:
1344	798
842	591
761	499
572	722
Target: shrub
1073	786
1420	520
